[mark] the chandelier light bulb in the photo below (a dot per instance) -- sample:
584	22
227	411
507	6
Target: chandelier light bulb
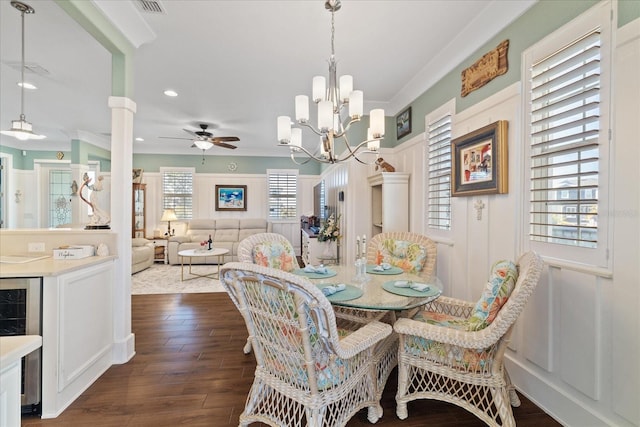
346	87
302	108
319	88
284	129
376	122
356	103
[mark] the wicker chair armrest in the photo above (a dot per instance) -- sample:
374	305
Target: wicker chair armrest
362	339
467	339
450	306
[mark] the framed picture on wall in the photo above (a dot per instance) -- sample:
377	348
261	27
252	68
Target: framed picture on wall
480	161
403	123
231	197
137	176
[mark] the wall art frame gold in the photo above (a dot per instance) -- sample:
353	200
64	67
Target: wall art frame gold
480	161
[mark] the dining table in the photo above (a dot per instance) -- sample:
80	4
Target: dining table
390	289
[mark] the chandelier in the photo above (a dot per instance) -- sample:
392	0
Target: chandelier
21	128
333	118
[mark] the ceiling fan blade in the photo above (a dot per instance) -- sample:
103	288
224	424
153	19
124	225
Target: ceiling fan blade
224	139
190	132
223	144
174	137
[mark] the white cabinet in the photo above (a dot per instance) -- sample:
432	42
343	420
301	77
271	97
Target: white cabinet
77	333
389	202
311	248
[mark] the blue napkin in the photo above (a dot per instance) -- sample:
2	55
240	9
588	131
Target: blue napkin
321	269
420	287
332	289
382	267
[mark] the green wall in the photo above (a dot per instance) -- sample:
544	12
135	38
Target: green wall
220	164
541	19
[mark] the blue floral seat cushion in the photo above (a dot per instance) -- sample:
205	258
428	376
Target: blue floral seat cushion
274	255
409	256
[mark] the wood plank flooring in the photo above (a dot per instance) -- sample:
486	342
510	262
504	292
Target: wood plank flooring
189	370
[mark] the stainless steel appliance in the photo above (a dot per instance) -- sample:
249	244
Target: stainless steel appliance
21	314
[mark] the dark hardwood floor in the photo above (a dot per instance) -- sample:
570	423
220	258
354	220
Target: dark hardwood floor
189	370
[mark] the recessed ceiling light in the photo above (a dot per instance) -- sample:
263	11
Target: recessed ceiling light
170	92
27	85
139	139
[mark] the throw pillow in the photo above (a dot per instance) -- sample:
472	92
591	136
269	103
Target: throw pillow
504	275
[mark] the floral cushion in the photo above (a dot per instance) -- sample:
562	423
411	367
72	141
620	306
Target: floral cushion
274	255
409	256
465	359
504	275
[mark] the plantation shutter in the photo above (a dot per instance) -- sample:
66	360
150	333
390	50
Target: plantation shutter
283	187
565	132
439	175
177	192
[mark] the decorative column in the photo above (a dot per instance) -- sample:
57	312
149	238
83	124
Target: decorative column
122	112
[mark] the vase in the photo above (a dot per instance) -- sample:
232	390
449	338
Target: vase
327	251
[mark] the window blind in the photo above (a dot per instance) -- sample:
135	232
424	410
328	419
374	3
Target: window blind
439	174
177	192
565	132
283	187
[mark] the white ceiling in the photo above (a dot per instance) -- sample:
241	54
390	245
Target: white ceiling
236	65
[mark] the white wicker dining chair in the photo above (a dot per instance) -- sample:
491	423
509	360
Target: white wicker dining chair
412	252
308	372
268	250
453	350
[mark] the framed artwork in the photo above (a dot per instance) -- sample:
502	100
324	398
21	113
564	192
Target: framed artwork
137	176
480	161
403	123
231	197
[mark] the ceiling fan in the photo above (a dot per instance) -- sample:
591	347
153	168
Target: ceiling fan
204	140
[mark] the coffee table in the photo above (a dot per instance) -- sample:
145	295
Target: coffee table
195	253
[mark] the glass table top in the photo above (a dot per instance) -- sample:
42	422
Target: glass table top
374	296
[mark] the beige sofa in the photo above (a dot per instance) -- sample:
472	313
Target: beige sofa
142	254
225	233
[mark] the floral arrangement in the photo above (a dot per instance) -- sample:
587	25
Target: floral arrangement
330	229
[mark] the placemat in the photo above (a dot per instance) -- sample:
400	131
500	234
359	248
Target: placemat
301	272
350	292
392	270
408	292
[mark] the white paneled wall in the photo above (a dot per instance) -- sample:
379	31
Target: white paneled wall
575	351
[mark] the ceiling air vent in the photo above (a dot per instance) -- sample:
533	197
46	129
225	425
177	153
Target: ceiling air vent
150	6
29	67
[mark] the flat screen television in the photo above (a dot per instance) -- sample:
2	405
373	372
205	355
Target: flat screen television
319	202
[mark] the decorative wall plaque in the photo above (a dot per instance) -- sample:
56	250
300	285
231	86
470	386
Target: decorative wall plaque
491	65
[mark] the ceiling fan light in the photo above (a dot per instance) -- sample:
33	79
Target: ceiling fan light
27	85
203	145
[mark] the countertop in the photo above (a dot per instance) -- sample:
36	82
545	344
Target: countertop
13	348
50	267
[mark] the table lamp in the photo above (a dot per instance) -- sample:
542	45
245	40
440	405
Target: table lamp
169	215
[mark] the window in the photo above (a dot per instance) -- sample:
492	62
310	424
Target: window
282	187
438	159
59	197
177	191
566	102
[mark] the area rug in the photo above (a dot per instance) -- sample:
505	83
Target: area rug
165	279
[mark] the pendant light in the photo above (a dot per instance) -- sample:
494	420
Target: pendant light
21	128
